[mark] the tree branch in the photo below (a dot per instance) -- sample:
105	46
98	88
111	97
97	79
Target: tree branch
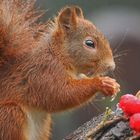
116	127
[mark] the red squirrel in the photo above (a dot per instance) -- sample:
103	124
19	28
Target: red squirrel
48	67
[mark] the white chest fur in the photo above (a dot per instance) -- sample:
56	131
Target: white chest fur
35	124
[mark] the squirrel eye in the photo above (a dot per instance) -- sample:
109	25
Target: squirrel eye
90	43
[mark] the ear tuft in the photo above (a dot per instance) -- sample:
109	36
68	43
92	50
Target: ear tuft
64	18
67	17
79	11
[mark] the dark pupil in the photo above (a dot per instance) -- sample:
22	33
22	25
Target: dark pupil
90	43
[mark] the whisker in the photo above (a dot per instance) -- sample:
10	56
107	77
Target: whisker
122	53
119	55
120	64
119	60
117	75
121	42
120	72
126	50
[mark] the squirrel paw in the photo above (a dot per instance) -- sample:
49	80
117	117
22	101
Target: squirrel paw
108	86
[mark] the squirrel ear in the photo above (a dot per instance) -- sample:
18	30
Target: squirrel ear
79	11
67	17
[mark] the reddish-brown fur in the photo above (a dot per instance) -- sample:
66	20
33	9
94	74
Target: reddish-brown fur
40	67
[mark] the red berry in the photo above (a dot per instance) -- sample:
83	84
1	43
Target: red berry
135	122
130	104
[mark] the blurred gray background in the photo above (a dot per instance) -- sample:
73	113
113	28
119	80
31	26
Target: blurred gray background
119	20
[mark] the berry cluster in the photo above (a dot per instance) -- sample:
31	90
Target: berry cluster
130	105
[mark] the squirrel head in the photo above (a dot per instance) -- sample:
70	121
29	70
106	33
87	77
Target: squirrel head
86	46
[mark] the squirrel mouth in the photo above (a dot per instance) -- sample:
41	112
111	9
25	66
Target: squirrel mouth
89	75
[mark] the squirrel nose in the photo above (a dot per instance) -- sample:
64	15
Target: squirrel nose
110	66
